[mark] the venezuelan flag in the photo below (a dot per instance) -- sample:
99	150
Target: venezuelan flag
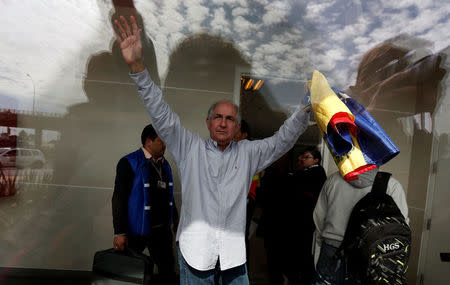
355	140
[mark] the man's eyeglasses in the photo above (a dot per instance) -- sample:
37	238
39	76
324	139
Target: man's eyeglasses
306	156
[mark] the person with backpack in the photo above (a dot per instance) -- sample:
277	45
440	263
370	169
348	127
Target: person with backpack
375	228
362	234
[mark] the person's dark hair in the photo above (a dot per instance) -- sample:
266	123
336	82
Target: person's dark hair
148	132
314	152
245	128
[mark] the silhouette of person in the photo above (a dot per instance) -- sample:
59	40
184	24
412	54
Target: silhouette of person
84	154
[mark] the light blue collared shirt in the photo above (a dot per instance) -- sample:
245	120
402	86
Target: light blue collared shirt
214	183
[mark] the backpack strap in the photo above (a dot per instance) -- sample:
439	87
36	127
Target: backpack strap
379	186
380	183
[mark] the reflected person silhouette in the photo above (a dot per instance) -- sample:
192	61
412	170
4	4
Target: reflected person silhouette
387	79
201	72
205	66
85	155
215	173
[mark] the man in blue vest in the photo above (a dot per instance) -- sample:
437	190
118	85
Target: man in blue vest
143	203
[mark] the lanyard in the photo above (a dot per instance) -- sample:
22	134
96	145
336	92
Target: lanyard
158	169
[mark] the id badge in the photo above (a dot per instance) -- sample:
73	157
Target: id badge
161	184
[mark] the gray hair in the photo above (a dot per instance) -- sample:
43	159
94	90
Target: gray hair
213	107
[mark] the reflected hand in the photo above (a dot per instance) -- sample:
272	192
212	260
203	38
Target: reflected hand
305	103
120	242
307	109
130	43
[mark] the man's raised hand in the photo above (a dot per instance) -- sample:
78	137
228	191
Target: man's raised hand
130	43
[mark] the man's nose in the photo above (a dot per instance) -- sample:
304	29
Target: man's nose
223	123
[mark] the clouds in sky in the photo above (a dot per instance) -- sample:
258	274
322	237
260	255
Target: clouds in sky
283	39
276	12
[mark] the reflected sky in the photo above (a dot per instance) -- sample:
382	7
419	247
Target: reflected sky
53	40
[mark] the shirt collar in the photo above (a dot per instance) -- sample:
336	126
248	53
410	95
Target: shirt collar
213	144
312	166
148	155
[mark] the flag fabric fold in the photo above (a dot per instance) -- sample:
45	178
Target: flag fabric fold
356	141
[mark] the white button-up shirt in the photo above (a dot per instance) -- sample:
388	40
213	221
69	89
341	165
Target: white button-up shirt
214	183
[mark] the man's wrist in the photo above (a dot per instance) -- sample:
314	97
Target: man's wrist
137	67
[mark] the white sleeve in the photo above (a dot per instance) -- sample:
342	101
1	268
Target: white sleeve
166	123
319	216
270	149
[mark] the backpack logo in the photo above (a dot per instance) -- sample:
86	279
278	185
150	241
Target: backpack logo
391	246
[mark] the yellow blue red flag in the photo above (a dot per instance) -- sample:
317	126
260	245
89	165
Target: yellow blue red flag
355	140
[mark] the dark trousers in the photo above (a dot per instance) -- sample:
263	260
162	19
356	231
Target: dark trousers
159	244
328	269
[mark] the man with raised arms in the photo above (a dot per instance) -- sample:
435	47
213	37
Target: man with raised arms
215	172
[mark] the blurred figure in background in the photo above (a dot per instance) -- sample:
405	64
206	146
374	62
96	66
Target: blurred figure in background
308	181
279	222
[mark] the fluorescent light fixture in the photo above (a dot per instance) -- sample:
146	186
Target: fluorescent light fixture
249	84
258	85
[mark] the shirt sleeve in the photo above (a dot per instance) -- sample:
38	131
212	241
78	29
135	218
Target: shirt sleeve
122	190
268	150
166	123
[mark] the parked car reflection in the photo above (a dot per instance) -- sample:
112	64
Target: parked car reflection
21	158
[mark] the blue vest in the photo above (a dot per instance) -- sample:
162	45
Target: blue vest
139	210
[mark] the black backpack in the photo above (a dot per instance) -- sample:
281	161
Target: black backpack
377	241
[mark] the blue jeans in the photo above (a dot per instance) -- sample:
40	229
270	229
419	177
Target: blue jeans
329	270
191	276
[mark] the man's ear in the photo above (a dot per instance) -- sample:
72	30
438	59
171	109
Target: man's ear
316	161
237	128
148	143
209	124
